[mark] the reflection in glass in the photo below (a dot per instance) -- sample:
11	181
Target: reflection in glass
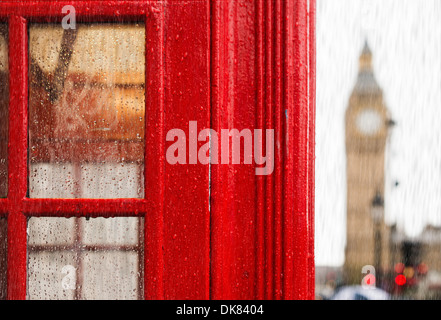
86	111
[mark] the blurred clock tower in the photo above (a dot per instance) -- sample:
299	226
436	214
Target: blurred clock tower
366	126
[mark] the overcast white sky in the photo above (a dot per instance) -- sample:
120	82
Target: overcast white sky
405	38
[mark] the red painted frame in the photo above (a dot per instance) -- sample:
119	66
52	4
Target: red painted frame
262	240
223	242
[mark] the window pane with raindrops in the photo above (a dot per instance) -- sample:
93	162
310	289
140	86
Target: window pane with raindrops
86	140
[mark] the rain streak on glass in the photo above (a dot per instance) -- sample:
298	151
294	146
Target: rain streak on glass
4	107
86	140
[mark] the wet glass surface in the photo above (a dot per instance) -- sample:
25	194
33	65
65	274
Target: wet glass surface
86	111
86	140
79	258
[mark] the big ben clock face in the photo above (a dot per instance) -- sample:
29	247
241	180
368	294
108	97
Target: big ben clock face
369	122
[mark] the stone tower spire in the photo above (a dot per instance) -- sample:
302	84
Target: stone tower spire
366	83
366	133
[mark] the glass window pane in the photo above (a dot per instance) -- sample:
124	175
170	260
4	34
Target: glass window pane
86	111
78	258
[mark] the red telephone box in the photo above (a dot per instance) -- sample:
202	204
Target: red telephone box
212	230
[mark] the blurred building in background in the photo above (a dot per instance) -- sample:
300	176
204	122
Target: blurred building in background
367	123
405	267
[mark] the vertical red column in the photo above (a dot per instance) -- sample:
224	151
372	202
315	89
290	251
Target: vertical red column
187	98
296	236
18	80
154	156
236	246
311	152
263	78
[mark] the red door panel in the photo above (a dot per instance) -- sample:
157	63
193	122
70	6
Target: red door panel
262	77
187	98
